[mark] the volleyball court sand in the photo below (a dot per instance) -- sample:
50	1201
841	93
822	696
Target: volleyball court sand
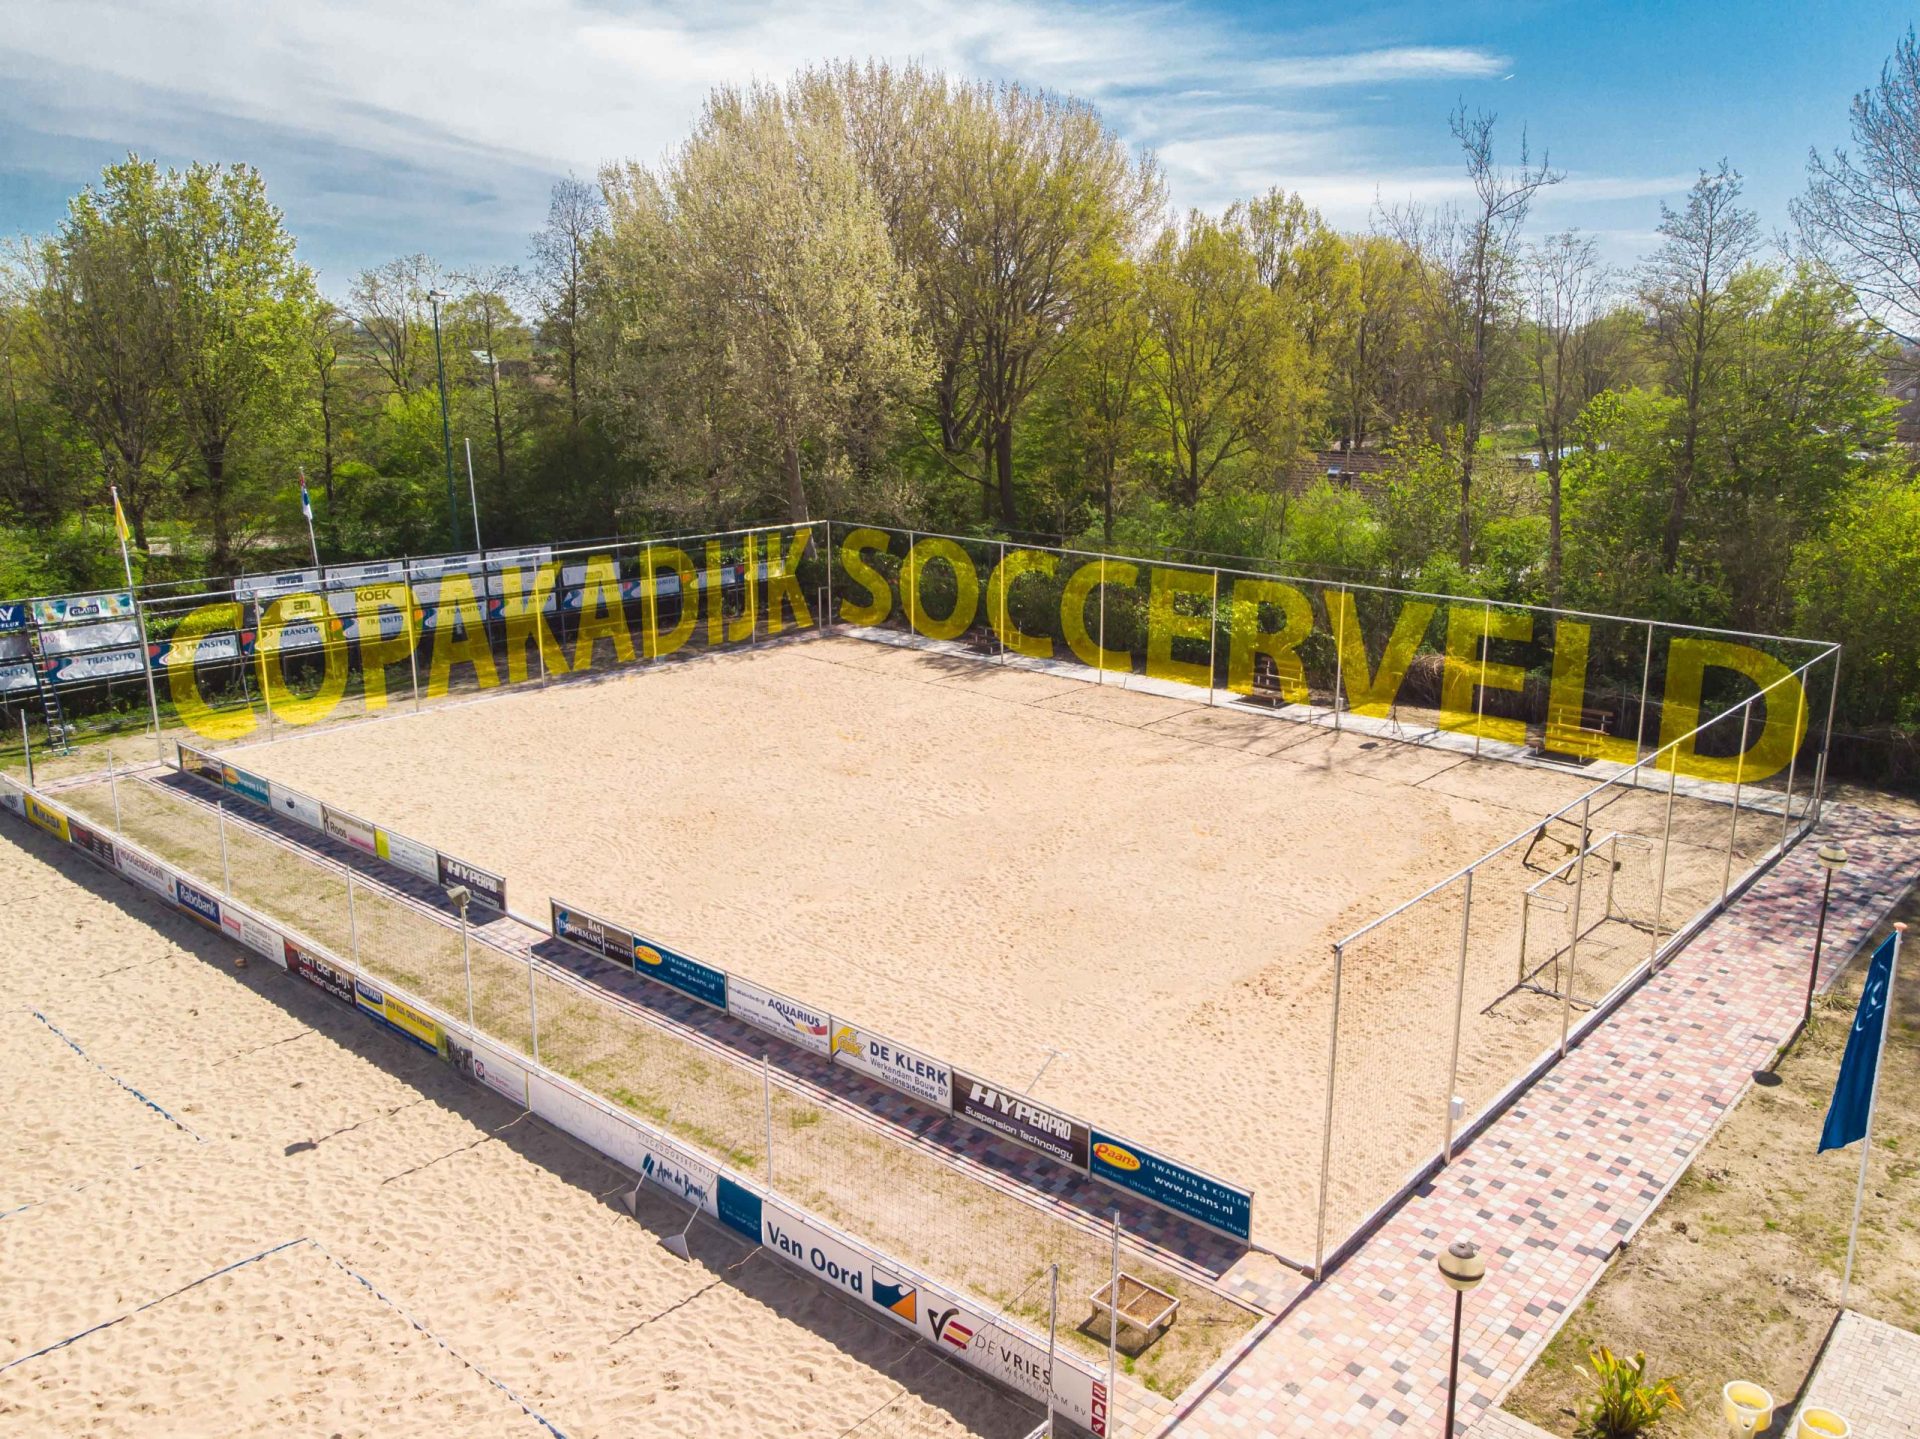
1014	871
299	1125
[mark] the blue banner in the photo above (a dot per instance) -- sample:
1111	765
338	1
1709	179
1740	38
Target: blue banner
198	903
248	786
13	616
688	976
1852	1105
1185	1191
739	1209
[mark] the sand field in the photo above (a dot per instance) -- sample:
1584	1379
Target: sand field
283	1220
1020	872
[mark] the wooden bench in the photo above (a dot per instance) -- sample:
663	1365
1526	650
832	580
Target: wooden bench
981	640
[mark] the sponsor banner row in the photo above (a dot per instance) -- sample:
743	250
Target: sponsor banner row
960	1327
609	941
1007	1113
396	849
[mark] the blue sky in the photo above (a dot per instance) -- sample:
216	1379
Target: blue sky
389	126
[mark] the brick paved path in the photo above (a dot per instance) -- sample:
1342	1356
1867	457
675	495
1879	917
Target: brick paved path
1869	1372
1565	1176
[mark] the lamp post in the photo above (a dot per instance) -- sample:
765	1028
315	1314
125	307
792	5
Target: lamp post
434	297
1832	859
1461	1267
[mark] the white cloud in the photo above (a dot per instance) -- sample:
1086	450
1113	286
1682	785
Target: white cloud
484	94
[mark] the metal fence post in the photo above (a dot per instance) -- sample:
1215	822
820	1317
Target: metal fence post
113	788
766	1091
1480	691
26	747
1339	657
1005	584
413	648
1100	668
1826	746
1573	937
353	922
653	603
1053	1324
1213	635
1459	1011
533	1011
226	868
466	956
146	666
1646	682
910	585
1739	774
260	658
826	615
1793	764
1113	1322
1326	1122
1666	845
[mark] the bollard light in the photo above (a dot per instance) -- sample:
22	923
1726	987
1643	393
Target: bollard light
1461	1268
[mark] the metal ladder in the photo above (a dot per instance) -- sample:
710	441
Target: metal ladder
58	739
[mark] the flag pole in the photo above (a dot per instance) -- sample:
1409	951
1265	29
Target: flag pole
1866	1141
306	508
140	617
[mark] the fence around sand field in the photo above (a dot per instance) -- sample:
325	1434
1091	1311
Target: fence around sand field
954	1324
1727	718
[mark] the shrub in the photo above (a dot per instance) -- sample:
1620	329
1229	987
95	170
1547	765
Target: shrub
1625	1402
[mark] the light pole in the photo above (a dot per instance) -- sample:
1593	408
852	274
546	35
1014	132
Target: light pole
1461	1267
1832	859
434	297
461	896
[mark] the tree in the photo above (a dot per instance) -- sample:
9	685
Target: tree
102	333
329	333
999	200
562	275
237	306
1375	377
1469	275
1226	375
779	326
1565	281
1687	288
484	316
389	304
1861	211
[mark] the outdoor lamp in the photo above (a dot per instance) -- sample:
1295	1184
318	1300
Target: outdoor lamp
1833	859
1461	1267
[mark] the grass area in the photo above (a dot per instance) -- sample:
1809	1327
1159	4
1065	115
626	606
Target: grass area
904	1200
1737	1276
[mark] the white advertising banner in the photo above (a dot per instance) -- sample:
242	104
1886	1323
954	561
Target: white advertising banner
906	1070
294	805
141	870
252	933
763	1008
407	854
498	1071
815	1251
622	1140
347	829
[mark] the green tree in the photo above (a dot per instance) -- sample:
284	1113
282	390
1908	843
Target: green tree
237	307
780	325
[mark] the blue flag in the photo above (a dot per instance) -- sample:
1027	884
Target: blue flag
1853	1090
306	500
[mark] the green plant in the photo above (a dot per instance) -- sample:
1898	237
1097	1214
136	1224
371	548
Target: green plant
1625	1402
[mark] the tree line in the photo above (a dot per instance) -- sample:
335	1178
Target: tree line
885	292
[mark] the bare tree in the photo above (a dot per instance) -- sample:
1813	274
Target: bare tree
1565	282
329	331
1861	211
1686	286
1470	278
576	217
389	304
485	313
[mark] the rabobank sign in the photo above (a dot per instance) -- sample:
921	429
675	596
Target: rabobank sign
197	902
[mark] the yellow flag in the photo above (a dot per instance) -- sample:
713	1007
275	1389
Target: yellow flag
120	518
